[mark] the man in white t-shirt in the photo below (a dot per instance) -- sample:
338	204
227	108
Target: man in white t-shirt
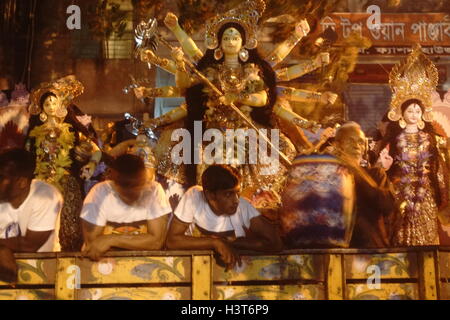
28	208
130	211
216	217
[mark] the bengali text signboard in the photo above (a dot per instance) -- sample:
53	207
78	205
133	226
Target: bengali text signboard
394	33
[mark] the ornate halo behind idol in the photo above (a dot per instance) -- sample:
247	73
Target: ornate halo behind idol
246	15
416	77
65	89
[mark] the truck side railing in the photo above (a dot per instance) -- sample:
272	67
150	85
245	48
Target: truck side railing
319	274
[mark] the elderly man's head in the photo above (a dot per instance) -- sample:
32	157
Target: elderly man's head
350	140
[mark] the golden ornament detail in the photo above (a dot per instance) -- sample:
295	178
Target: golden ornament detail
53	152
421	124
218	54
43	116
246	15
402	123
416	77
65	89
243	55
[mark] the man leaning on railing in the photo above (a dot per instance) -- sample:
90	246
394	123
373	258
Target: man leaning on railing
215	217
28	210
129	211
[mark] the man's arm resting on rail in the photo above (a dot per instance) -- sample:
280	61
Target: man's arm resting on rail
31	242
97	243
176	239
8	265
262	236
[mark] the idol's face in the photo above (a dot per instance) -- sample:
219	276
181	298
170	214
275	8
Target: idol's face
51	105
412	114
231	42
353	144
224	202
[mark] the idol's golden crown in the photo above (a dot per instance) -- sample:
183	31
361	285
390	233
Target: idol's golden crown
416	77
246	15
65	89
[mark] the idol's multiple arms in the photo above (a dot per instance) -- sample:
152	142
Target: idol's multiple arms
282	51
300	95
186	42
257	99
303	67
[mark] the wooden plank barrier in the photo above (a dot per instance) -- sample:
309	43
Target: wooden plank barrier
312	274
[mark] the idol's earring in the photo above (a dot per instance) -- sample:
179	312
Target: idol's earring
61	112
421	124
43	117
243	55
218	54
402	123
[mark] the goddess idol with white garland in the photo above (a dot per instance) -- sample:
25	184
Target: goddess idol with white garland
232	63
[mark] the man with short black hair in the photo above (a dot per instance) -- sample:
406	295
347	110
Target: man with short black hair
28	208
130	211
216	217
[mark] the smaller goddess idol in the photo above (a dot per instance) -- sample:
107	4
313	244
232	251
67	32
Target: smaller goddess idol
419	173
66	150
